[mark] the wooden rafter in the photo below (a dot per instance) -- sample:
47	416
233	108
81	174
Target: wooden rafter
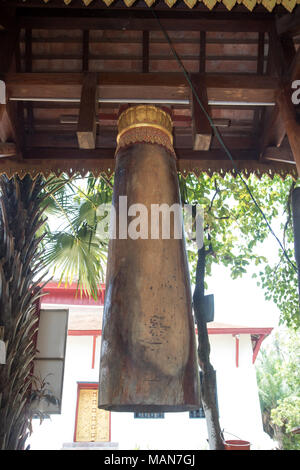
164	85
86	129
145	59
10	117
286	64
143	20
202	131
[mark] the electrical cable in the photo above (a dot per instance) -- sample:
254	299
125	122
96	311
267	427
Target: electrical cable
219	137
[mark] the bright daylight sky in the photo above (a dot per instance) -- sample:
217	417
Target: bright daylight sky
241	301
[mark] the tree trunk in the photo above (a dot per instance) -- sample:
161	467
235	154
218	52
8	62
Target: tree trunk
20	218
208	385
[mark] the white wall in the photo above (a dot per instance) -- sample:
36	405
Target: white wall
237	389
237	397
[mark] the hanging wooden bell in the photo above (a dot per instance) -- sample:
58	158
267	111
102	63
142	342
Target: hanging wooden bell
148	354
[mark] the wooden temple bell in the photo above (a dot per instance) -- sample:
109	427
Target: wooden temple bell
148	354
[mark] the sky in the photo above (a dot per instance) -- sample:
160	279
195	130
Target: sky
241	301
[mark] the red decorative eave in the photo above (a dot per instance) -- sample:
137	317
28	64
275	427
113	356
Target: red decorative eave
57	294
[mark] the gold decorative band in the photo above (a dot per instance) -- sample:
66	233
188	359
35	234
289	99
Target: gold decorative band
145	116
145	134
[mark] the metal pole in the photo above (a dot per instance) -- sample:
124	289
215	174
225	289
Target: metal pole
143	101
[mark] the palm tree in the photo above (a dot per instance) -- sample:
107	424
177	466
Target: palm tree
20	288
23	231
73	249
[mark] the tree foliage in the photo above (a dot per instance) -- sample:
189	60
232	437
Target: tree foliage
279	387
234	230
73	249
237	233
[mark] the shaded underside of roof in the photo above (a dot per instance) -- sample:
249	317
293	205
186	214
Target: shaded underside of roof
210	4
56	49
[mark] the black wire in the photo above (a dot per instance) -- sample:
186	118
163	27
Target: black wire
218	135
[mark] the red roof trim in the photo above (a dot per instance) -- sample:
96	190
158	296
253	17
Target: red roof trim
233	330
59	294
84	332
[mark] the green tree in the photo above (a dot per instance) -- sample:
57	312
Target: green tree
234	229
73	251
234	232
279	387
21	217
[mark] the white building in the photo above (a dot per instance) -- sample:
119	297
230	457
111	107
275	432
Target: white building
82	425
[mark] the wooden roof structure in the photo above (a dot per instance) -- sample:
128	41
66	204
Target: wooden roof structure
66	69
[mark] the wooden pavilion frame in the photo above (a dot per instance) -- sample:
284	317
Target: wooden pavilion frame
67	68
60	108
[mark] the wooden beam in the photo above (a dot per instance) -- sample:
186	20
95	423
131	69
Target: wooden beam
289	23
202	52
289	50
276	154
7	129
47	161
142	20
85	50
7	150
288	114
294	71
285	63
168	85
145	65
10	117
276	55
107	154
110	119
87	124
273	131
8	41
260	53
202	131
107	139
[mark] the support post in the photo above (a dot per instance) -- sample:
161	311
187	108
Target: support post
9	117
273	126
87	122
288	115
202	131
